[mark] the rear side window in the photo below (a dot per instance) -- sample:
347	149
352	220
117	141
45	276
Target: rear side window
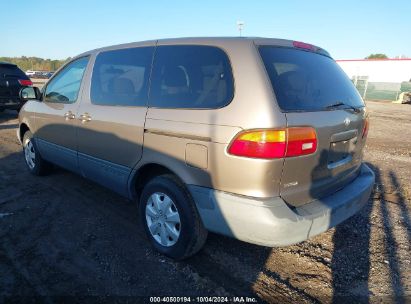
306	81
187	76
10	70
120	77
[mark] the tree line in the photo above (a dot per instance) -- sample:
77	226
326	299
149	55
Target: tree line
376	56
35	63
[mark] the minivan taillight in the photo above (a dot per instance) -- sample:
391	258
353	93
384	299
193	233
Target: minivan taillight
301	141
259	144
25	82
268	144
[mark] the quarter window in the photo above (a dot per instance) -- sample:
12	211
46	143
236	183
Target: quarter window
120	77
65	86
187	76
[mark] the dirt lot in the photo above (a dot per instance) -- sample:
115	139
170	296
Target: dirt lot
64	236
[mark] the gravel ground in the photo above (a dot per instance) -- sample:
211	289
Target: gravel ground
63	236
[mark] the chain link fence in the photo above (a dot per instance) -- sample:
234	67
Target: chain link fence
390	91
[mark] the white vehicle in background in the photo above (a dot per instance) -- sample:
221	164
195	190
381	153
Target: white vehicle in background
39	74
30	73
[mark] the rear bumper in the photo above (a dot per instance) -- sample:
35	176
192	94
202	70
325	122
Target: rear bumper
271	222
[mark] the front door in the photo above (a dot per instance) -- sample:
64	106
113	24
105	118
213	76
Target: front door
55	121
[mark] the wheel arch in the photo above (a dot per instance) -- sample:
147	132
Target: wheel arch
141	175
23	128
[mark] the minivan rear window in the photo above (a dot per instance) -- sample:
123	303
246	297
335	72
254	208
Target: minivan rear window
191	76
9	70
307	81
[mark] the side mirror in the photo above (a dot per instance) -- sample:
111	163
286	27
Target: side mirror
30	93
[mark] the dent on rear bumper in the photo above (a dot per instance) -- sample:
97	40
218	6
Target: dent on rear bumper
270	222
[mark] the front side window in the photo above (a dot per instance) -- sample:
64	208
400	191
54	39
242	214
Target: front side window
187	76
120	77
65	86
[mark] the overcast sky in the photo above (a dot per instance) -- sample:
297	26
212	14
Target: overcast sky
58	29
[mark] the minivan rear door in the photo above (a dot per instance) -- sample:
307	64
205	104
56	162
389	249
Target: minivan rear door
313	91
111	117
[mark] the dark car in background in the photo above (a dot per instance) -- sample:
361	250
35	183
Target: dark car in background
39	74
48	74
12	80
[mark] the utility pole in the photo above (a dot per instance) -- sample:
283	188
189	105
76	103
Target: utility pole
240	25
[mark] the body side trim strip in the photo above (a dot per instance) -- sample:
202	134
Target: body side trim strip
178	135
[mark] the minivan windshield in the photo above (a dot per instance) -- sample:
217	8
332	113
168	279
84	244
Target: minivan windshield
307	81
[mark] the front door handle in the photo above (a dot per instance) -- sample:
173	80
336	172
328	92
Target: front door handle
85	117
69	115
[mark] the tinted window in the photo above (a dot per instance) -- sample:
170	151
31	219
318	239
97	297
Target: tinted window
191	77
65	86
306	81
121	77
10	70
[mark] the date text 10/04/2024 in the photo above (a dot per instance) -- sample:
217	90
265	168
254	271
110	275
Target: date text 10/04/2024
203	300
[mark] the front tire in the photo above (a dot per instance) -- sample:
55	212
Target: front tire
170	218
35	164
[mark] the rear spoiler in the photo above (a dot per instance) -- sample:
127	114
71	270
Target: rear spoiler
310	47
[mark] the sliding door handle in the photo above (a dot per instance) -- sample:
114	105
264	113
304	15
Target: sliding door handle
69	115
85	117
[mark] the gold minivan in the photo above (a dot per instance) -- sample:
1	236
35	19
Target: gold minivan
254	138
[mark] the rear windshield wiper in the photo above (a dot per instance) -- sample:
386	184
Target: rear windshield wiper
340	104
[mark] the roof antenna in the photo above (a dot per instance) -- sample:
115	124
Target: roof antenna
240	25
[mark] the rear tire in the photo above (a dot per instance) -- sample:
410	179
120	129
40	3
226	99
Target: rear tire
170	218
35	164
